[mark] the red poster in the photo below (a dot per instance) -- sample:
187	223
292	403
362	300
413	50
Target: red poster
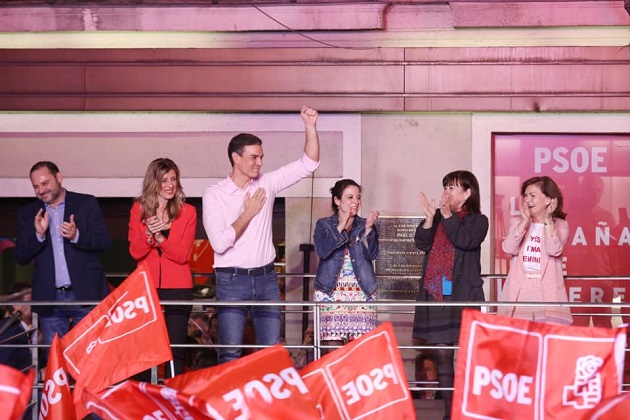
201	260
512	368
593	172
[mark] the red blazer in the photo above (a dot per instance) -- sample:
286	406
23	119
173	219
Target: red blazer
170	270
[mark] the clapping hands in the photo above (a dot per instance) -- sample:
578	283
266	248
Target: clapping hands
371	219
69	229
551	208
42	221
428	207
155	225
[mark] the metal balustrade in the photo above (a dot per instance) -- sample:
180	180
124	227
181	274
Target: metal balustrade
312	309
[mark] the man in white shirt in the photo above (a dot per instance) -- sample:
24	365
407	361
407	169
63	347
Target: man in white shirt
237	216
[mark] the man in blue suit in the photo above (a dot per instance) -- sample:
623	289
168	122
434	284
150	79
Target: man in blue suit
61	232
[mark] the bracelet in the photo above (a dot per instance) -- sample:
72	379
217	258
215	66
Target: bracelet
549	222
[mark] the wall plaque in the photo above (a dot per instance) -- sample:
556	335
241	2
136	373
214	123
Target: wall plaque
399	263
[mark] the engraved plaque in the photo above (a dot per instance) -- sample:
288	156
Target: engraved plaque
399	263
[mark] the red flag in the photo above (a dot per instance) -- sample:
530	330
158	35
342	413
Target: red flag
364	378
56	395
142	400
125	334
281	410
15	391
614	408
234	388
512	368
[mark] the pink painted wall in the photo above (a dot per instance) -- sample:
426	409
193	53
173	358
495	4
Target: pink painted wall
344	56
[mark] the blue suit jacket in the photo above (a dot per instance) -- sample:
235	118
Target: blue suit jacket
17	357
85	268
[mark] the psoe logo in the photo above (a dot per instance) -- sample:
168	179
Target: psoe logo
586	390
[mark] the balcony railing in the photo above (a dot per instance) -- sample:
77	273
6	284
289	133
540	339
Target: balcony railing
387	311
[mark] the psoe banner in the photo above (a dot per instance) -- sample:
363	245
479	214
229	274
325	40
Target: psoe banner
593	173
516	369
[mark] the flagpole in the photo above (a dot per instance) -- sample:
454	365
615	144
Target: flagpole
172	368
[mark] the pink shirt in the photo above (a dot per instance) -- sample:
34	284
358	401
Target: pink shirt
223	204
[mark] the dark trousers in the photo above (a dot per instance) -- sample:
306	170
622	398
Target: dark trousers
176	319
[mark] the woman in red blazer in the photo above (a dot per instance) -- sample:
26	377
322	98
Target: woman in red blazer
161	232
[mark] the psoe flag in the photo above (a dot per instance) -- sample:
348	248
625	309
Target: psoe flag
513	368
614	408
56	399
15	391
363	379
251	387
123	335
141	400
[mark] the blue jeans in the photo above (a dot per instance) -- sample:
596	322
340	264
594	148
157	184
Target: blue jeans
58	319
236	288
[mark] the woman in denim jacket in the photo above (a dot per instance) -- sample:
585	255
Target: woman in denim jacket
346	245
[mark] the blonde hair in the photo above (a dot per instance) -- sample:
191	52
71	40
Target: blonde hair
151	186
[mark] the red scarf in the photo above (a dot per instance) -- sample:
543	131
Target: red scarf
441	260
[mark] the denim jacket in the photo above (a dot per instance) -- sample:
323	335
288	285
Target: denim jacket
330	246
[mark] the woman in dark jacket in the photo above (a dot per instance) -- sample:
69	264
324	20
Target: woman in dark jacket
451	238
346	245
